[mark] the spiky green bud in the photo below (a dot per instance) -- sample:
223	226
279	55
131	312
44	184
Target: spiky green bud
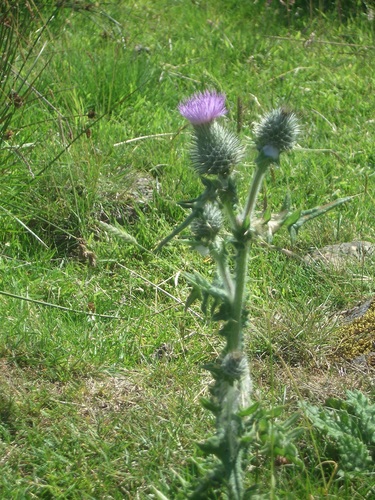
235	366
207	226
235	373
215	150
276	132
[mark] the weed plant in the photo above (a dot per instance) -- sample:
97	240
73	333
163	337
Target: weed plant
100	365
227	229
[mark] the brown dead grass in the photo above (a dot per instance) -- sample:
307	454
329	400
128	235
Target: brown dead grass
158	386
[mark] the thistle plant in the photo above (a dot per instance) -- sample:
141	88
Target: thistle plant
226	229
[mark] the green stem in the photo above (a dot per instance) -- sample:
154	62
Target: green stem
234	341
223	269
262	164
232	461
228	208
177	230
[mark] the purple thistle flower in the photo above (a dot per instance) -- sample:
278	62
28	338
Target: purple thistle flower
203	108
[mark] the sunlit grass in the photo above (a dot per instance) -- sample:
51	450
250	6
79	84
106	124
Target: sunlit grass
101	399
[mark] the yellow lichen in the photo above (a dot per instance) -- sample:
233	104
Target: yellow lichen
358	337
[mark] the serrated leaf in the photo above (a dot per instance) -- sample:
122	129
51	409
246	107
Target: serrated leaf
292	218
267	214
274	412
204	303
214	305
188	203
312	213
209	405
213	368
211	185
194	295
212	445
350	424
197	280
223	314
291	421
337	404
226	329
249	411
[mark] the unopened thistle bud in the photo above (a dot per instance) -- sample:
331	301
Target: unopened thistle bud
276	132
235	366
215	150
207	226
235	370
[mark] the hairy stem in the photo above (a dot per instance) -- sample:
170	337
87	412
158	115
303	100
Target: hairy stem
176	231
223	270
262	164
228	209
234	341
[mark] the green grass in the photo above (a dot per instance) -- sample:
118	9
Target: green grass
89	407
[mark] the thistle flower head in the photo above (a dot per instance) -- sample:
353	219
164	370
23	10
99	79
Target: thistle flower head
207	226
235	366
276	132
203	107
215	150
